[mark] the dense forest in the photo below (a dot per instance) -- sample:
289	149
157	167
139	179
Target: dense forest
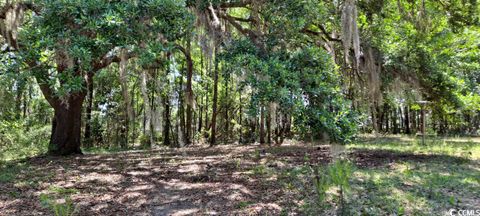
86	78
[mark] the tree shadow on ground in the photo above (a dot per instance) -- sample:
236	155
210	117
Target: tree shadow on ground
194	180
377	158
428	182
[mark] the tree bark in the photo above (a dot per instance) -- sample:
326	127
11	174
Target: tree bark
128	117
269	126
413	125
214	102
166	127
407	120
182	134
18	98
88	124
148	110
262	125
386	111
188	93
66	127
207	89
374	118
189	96
227	107
395	120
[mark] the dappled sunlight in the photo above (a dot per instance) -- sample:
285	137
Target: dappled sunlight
169	181
234	179
101	178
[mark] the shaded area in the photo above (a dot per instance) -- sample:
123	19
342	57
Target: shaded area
234	180
160	182
376	158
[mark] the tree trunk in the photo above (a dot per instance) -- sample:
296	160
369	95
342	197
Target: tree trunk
182	134
166	127
189	95
66	127
413	126
240	114
395	121
88	123
227	107
207	89
18	99
262	125
128	117
148	110
387	115
200	118
288	126
407	121
269	126
214	102
375	118
200	100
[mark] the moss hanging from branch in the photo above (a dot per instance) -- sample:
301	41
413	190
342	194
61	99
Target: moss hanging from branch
11	16
351	35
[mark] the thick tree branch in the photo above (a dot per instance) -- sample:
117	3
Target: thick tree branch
53	100
247	32
240	3
323	33
7	7
108	59
242	19
42	80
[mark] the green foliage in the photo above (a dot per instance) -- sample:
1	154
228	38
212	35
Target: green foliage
9	171
59	201
321	184
442	180
16	142
87	31
305	82
65	208
340	172
337	175
260	170
244	204
324	108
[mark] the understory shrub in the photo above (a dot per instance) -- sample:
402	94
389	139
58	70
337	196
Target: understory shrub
18	141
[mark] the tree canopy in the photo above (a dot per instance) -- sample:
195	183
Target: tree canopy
164	70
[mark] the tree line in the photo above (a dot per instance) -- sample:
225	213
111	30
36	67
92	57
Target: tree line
173	72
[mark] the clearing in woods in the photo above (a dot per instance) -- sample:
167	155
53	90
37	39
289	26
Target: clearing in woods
391	175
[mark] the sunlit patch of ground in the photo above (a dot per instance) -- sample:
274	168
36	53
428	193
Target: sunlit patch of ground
393	175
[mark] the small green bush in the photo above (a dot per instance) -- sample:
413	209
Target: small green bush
18	141
65	208
334	175
59	201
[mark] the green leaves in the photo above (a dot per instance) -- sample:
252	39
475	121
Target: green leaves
304	81
69	37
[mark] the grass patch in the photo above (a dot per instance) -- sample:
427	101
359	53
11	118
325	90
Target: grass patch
414	188
244	204
406	178
59	201
17	142
468	148
9	171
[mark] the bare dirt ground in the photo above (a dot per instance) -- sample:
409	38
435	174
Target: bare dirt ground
224	180
195	180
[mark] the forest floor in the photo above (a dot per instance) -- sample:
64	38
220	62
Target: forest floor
392	175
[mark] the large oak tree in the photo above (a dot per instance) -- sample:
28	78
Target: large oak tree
64	43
